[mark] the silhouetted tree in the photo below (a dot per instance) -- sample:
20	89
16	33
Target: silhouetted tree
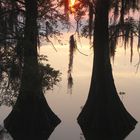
12	15
31	117
104	116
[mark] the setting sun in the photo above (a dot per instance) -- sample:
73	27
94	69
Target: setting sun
71	6
72	2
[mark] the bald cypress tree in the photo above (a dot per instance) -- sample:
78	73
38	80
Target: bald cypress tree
31	117
104	115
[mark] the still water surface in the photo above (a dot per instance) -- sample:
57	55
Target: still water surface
67	106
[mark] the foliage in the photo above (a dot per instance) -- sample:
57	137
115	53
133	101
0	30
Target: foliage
49	76
10	79
12	23
122	23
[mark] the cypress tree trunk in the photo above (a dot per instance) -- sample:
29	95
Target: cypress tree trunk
104	116
31	117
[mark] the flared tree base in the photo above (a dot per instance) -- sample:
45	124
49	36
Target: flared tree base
105	118
31	119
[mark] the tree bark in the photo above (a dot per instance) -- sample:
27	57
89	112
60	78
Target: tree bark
31	117
104	116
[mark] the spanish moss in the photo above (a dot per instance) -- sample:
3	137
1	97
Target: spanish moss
72	48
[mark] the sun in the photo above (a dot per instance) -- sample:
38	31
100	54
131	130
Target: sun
71	6
72	2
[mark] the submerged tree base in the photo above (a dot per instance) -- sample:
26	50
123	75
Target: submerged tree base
105	117
31	119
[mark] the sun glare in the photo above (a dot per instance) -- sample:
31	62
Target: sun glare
72	2
71	6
